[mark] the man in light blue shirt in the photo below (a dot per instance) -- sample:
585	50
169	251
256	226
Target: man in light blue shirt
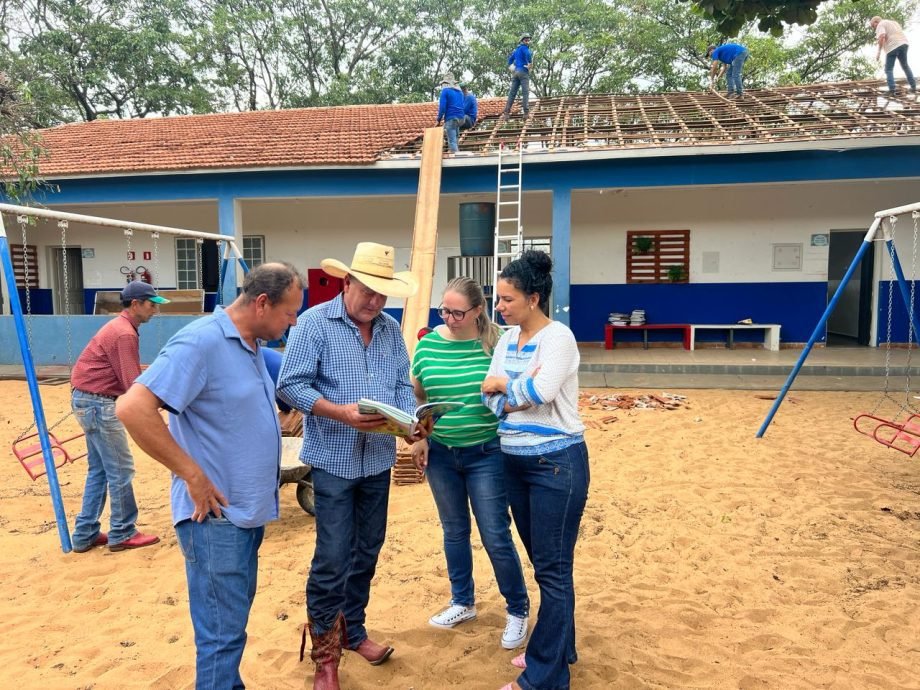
519	64
339	352
223	446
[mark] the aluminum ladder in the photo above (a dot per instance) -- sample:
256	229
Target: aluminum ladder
509	233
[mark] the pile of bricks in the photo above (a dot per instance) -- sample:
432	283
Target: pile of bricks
616	402
405	471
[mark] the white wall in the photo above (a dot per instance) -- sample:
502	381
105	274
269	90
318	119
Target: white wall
739	223
306	231
109	244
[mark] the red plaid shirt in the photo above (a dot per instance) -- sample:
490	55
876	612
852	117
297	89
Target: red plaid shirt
111	360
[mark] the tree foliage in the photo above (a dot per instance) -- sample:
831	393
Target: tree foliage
730	16
21	147
85	59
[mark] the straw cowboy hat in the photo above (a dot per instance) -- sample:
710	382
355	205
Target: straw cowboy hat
373	266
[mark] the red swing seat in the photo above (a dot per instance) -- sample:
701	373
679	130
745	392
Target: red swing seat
903	436
31	458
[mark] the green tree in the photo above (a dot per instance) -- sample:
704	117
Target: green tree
21	147
118	58
731	16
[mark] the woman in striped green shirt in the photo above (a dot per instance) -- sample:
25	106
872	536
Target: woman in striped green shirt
463	458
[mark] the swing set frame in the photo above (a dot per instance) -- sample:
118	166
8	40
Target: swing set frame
51	448
879	230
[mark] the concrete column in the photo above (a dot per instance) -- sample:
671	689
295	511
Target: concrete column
230	222
561	247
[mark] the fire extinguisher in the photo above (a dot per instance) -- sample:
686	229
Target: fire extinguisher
144	275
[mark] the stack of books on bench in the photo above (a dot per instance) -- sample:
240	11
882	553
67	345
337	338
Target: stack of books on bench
617	318
637	318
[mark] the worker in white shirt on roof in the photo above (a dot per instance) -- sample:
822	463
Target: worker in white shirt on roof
893	41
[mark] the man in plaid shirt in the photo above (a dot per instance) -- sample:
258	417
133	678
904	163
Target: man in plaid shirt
339	352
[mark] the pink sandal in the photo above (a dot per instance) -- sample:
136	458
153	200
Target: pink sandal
519	662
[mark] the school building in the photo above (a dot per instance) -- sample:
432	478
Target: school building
760	203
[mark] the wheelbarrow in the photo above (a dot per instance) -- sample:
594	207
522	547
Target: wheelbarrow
293	470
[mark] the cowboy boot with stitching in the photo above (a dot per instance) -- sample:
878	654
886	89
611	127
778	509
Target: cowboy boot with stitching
326	653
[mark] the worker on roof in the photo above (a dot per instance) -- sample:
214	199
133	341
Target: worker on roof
450	111
519	64
891	38
470	107
727	59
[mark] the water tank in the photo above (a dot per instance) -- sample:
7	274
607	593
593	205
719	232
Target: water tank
477	228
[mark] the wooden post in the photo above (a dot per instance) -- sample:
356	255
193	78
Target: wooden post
424	236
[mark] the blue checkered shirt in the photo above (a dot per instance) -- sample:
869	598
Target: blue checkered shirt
326	358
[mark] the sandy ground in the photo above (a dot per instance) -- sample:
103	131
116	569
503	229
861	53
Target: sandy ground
707	559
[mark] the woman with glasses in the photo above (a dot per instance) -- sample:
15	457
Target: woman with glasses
463	458
532	387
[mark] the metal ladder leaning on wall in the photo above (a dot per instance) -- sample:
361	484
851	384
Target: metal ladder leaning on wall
509	233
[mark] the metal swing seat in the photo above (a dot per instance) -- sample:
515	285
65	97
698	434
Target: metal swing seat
904	435
28	450
901	436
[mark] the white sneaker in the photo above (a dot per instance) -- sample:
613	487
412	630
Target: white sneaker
453	615
515	632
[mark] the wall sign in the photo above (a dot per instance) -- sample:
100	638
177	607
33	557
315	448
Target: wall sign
787	257
820	240
131	256
88	253
147	256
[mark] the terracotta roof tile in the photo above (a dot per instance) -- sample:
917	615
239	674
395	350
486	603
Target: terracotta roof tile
362	135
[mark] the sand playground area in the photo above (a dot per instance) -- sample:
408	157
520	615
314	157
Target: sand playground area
707	559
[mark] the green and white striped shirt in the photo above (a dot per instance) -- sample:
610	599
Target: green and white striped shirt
454	370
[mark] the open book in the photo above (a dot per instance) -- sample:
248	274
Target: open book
399	423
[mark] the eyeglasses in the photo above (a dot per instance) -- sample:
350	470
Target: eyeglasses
457	315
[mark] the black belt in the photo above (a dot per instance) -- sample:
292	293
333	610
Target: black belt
98	395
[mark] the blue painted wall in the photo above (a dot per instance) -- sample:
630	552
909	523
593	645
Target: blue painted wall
899	320
795	306
49	337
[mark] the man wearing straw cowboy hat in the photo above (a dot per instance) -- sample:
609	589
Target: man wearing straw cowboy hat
339	352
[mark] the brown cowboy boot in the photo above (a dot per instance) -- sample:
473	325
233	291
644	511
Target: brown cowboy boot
326	653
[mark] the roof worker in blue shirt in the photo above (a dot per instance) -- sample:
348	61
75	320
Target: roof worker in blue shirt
727	58
450	111
519	63
470	108
223	447
339	352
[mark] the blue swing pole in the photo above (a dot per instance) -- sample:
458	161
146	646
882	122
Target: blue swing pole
902	283
819	329
41	425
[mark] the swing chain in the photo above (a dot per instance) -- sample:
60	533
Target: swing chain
23	222
892	222
63	225
911	333
156	281
199	249
128	234
31	426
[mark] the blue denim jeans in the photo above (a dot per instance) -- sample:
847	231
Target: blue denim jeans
452	130
548	495
110	469
733	73
351	525
520	80
899	54
475	476
221	566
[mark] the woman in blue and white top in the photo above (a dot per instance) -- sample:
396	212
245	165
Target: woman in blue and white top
532	387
